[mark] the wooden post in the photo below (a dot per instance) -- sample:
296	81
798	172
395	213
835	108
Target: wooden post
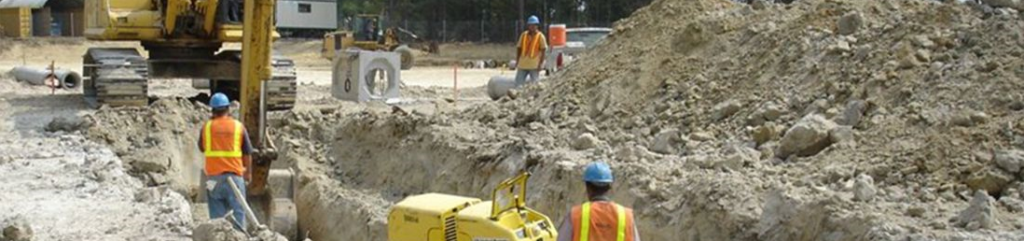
455	72
51	79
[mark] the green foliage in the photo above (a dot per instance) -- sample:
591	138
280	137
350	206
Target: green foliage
490	19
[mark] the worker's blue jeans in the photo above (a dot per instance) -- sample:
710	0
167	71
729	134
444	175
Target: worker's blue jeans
221	198
521	76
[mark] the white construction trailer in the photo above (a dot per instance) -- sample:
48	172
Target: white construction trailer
306	18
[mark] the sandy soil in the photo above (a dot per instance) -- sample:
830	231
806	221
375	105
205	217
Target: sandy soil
91	186
821	120
69	188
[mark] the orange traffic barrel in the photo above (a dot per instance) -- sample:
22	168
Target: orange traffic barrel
557	34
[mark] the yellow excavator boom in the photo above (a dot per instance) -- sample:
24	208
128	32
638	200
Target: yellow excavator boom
256	45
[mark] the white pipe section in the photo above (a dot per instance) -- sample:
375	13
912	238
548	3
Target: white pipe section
67	79
498	86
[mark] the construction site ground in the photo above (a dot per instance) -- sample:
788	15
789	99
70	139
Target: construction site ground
68	186
816	120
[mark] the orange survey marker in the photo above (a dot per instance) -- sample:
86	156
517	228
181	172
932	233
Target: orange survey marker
51	79
455	83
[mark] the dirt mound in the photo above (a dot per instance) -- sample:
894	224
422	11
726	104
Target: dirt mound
726	121
158	142
818	120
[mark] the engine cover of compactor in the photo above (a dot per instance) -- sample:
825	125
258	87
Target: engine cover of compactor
443	217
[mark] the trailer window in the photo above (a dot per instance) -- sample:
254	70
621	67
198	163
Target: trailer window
305	8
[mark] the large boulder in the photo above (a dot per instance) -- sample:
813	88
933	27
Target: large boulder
267	235
765	133
989	179
702	136
1014	4
809	136
65	124
17	229
725	109
767	112
586	141
850	23
667	142
1013	204
842	135
979	215
735	157
217	230
852	113
1010	160
864	188
151	164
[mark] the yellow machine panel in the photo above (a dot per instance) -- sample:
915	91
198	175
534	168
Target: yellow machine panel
183	39
16	22
121	20
423	217
443	217
141	20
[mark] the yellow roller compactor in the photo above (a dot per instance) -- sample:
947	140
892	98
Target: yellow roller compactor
443	217
184	40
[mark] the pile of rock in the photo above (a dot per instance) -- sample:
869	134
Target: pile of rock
16	229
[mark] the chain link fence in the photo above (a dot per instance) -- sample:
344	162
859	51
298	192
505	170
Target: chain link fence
470	31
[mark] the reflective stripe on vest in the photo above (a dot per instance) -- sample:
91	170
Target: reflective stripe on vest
621	235
620	214
585	223
529	48
236	147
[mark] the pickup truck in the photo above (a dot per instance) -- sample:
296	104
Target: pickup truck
578	40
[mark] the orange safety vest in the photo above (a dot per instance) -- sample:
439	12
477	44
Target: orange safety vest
602	221
529	46
222	146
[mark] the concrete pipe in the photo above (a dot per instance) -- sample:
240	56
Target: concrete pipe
355	75
67	79
499	86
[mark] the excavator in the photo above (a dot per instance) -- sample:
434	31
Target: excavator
184	40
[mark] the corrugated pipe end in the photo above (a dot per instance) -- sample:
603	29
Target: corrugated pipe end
71	80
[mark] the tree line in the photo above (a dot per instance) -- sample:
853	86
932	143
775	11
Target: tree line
489	20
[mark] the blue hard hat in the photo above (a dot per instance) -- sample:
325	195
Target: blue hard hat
598	172
219	100
533	20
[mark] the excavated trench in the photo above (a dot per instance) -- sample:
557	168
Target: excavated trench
929	133
354	167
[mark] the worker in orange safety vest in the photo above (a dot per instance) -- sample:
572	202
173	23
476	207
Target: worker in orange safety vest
530	51
598	219
225	144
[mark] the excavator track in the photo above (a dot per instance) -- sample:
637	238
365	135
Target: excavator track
115	77
281	88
